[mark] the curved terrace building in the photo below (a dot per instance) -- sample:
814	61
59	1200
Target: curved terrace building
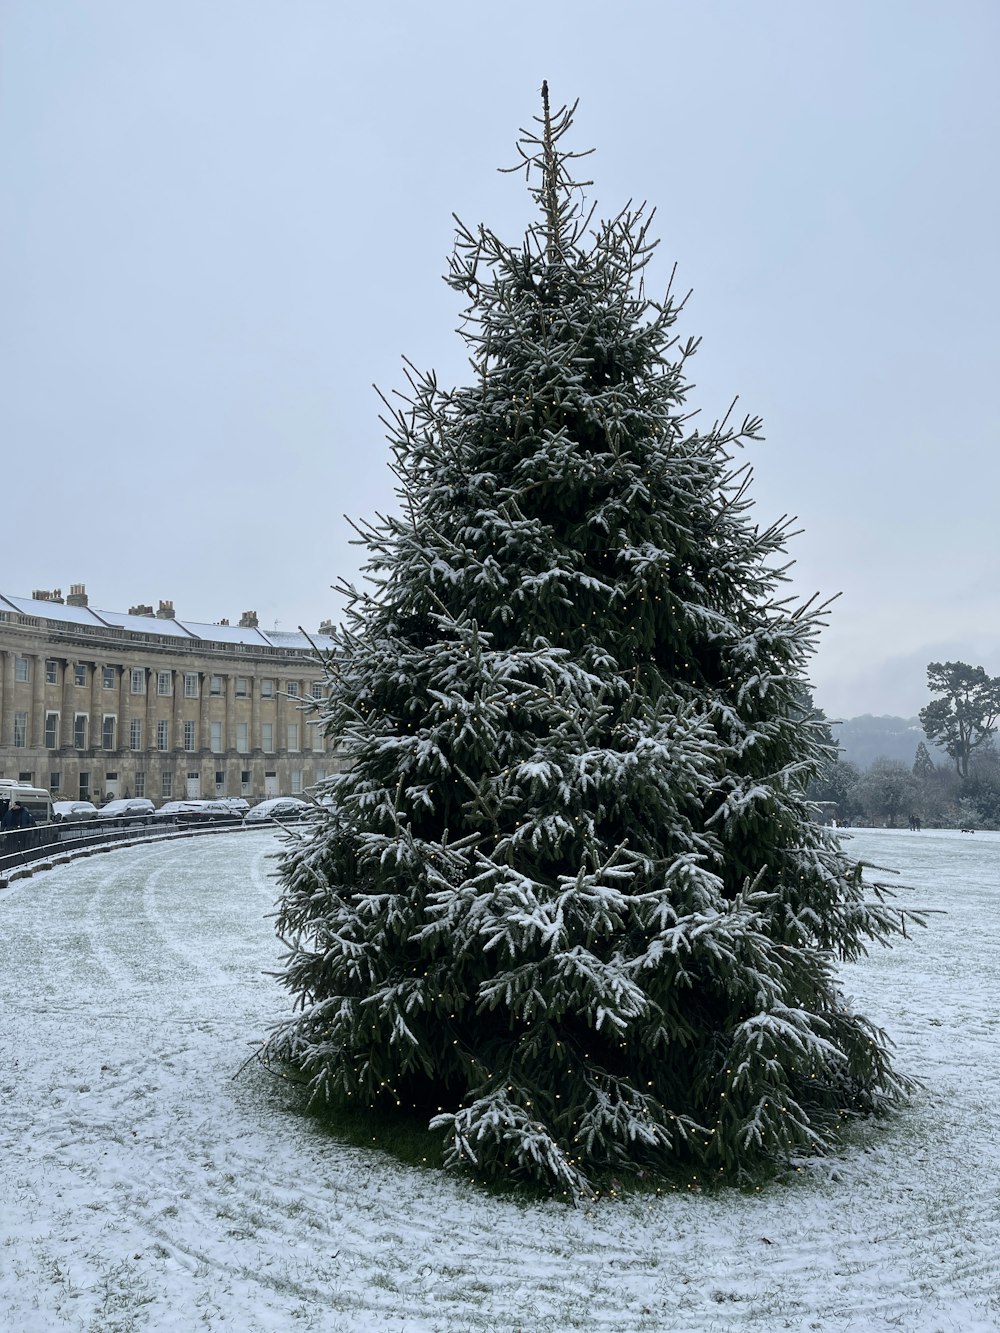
95	704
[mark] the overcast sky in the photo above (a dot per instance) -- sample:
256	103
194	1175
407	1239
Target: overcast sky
221	223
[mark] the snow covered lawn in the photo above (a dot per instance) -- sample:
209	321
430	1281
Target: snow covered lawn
144	1186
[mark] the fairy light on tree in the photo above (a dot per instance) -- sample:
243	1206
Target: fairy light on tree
569	898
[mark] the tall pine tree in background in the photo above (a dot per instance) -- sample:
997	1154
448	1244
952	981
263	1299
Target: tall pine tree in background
569	899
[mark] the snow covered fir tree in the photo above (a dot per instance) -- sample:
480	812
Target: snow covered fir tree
569	900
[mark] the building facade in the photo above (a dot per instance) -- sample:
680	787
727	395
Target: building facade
96	704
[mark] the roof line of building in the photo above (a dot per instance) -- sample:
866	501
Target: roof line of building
75	610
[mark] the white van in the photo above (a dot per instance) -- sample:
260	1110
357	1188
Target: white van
36	800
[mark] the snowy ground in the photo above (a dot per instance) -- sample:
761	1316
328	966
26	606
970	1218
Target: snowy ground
143	1186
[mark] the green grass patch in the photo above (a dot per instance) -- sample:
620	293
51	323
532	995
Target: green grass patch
401	1133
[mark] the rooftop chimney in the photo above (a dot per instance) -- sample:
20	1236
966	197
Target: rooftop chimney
326	627
40	595
166	611
77	595
140	610
248	620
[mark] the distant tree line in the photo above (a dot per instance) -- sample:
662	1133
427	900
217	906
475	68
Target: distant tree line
963	793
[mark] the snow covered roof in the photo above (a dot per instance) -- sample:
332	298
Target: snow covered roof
30	606
298	640
164	627
227	633
143	624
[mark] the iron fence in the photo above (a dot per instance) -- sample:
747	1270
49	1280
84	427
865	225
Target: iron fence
21	846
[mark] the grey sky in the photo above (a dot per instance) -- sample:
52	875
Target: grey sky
221	223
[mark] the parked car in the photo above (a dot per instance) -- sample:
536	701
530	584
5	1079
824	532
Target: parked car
127	808
195	812
280	808
238	805
72	811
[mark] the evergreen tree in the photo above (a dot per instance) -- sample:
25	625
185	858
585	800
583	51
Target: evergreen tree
965	716
923	764
569	898
887	791
838	785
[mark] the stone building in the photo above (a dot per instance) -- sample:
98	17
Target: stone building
95	704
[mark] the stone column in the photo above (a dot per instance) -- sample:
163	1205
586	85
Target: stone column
229	738
124	707
204	730
7	699
97	711
67	711
177	711
280	719
150	675
36	721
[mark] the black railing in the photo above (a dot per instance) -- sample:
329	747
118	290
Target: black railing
20	846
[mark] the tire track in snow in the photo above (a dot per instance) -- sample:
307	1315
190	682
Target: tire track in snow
237	1213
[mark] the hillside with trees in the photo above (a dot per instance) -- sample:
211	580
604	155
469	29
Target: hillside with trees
863	740
890	770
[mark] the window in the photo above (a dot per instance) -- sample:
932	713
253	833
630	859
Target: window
135	734
80	731
162	735
293	736
140	784
215	737
190	684
84	787
108	674
51	731
20	668
267	689
296	781
216	685
20	730
166	785
242	687
164	682
267	737
292	689
55	779
242	737
108	726
190	739
25	776
138	680
80	674
51	671
317	690
318	739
